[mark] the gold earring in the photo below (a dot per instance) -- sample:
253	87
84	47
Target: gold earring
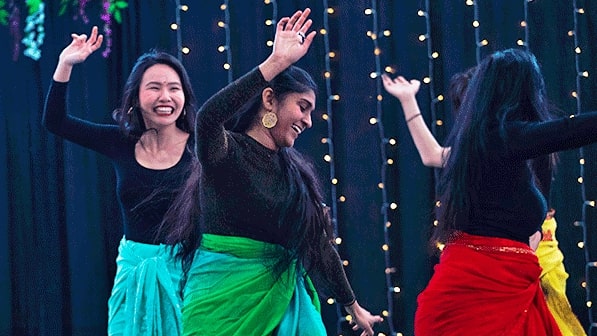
130	110
269	120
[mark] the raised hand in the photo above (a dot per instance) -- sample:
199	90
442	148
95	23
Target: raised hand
76	52
291	42
81	47
399	87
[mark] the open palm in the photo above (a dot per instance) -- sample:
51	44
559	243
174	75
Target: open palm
81	47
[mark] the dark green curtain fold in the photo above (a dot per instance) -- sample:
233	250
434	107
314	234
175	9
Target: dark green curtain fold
59	221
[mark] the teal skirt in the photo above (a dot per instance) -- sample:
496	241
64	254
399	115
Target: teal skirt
232	290
145	298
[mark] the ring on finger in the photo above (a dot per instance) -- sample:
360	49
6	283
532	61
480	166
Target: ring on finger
302	36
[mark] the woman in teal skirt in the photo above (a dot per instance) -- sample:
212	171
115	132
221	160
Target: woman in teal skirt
151	150
264	230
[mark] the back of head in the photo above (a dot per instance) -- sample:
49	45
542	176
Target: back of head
291	80
507	86
132	122
457	88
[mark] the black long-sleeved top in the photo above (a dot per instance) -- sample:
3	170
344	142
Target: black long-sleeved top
143	194
509	204
244	187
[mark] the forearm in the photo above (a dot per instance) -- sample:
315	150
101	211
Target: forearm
432	154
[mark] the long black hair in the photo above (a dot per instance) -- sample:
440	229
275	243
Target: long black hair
507	86
304	215
128	115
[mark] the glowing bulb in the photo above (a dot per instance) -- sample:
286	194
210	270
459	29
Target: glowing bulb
186	50
338	241
223	6
268	22
393	206
184	8
422	37
523	23
342	198
173	26
435	54
520	42
226	66
327	158
330	301
476	24
334	181
420	12
322	31
330	10
426	80
385	247
221	24
332	54
368	11
373	120
222	48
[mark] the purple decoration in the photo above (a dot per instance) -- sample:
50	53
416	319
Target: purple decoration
15	31
106	17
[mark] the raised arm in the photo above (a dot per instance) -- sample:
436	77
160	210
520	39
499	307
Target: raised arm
94	136
432	154
76	52
226	103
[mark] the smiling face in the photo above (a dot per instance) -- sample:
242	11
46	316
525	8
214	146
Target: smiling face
161	97
294	117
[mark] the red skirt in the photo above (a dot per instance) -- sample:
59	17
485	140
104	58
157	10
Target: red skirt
485	286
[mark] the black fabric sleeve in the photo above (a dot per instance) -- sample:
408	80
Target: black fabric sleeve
527	140
333	271
98	137
209	128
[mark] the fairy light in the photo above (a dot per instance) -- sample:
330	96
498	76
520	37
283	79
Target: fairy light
226	47
273	21
176	27
477	25
587	204
328	117
391	290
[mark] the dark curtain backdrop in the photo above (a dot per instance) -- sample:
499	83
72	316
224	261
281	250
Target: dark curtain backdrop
59	221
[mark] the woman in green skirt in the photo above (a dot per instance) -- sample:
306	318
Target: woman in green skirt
264	230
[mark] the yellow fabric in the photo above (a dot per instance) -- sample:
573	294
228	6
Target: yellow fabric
553	280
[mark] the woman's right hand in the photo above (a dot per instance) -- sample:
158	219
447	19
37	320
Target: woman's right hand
401	88
81	47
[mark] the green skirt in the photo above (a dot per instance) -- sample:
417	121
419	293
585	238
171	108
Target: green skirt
145	299
232	290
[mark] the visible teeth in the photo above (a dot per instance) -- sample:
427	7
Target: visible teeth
297	129
168	110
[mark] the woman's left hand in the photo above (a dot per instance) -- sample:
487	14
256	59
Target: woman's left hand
362	319
293	38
